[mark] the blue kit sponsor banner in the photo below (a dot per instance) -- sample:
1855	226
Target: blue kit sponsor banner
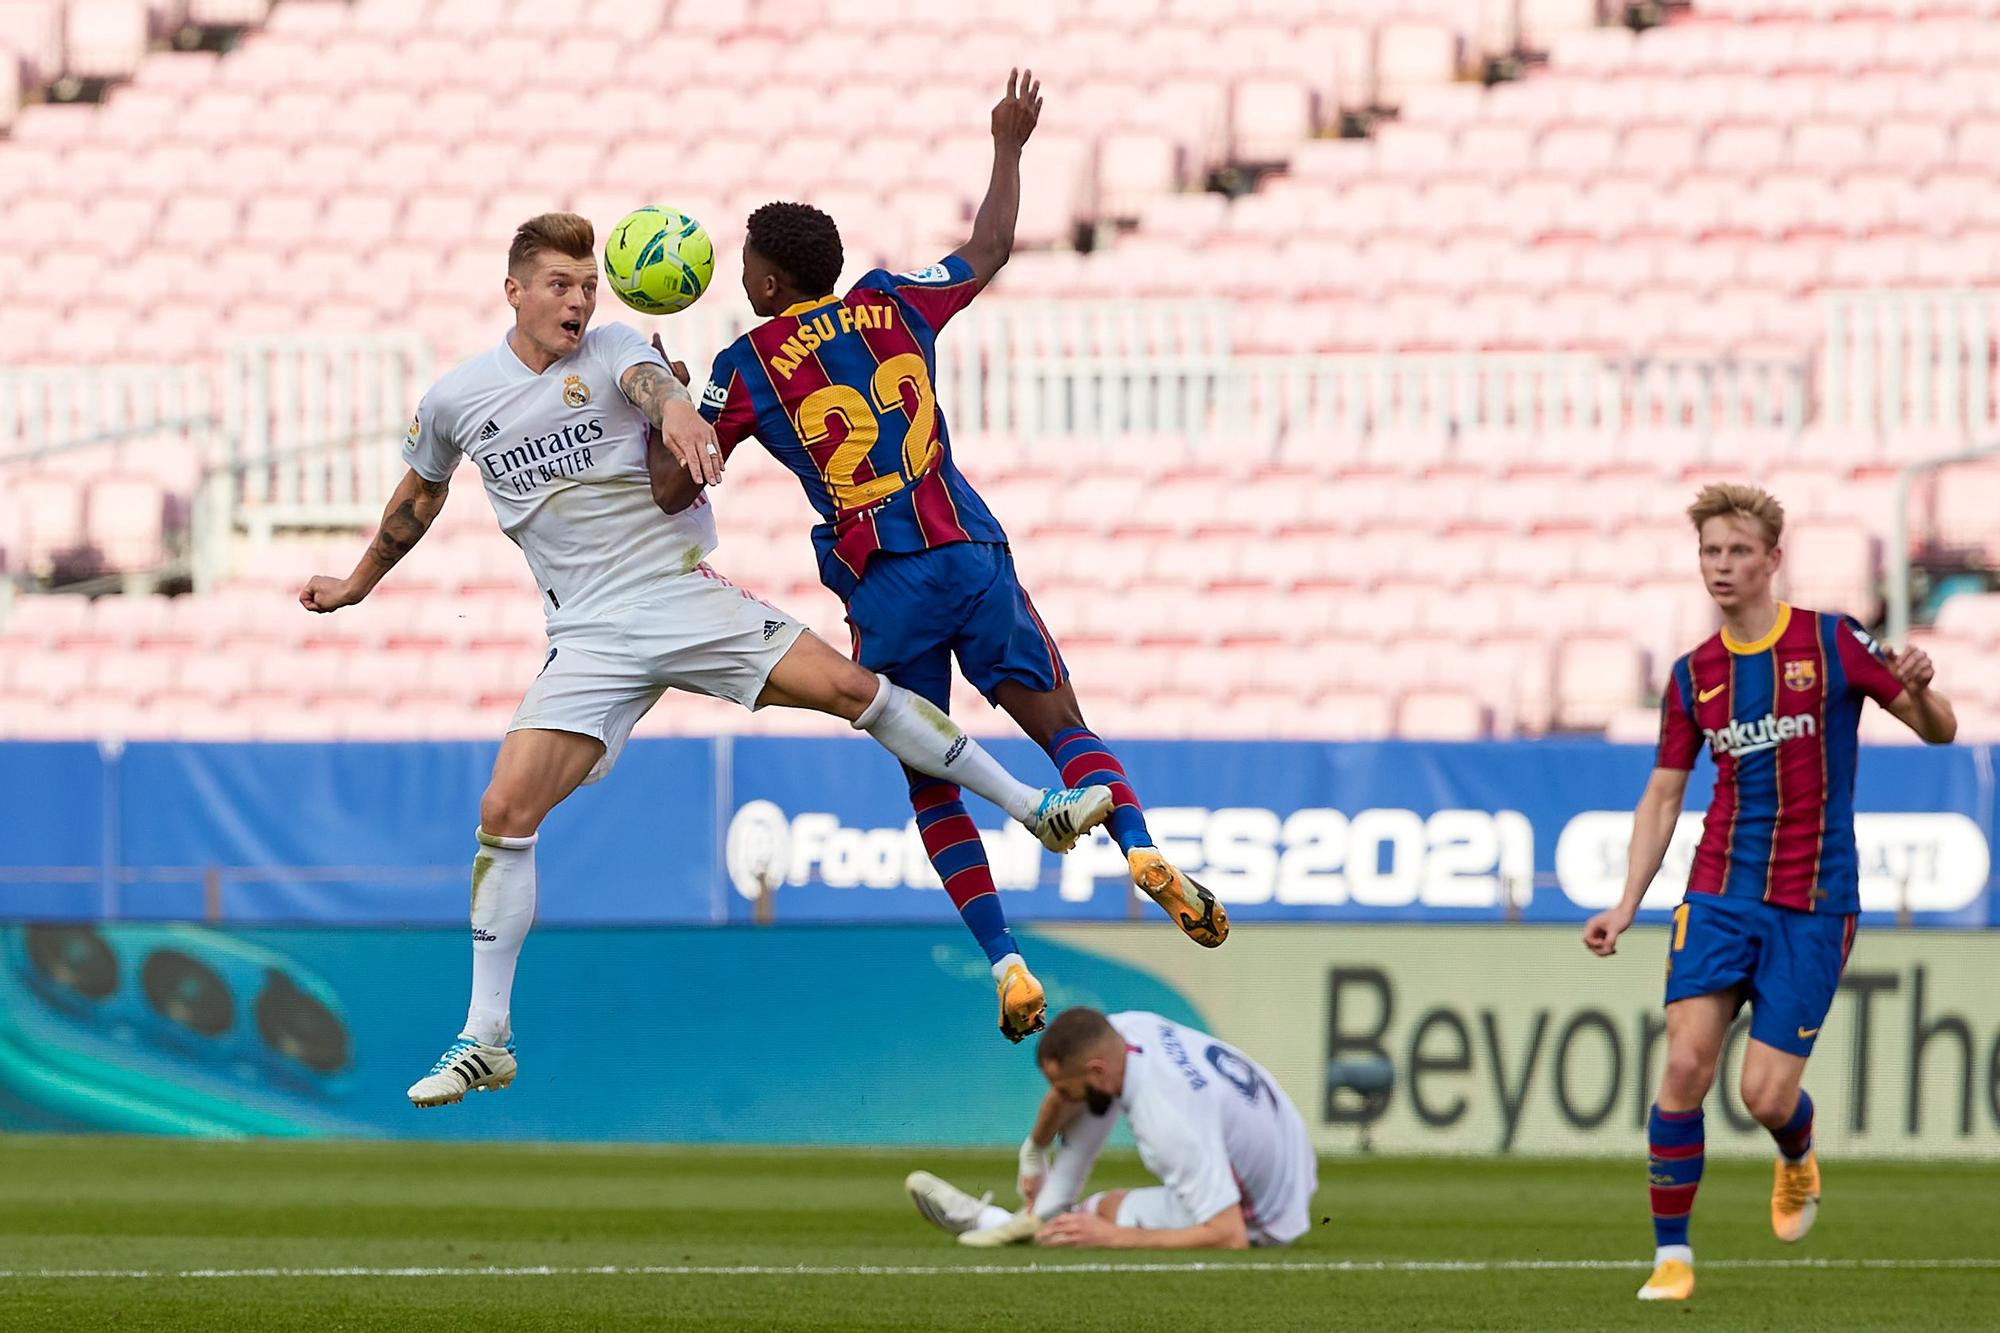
815	830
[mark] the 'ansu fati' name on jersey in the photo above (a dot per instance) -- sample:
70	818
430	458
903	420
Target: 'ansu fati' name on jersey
1781	718
823	328
840	390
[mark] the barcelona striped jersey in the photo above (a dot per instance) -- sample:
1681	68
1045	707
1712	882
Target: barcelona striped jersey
840	389
1781	717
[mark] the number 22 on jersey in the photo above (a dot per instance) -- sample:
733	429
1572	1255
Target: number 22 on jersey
863	421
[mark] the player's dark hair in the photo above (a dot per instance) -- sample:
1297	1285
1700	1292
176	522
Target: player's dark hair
1073	1034
801	241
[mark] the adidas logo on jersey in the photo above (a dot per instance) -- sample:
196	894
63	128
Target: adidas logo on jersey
1766	733
488	431
771	627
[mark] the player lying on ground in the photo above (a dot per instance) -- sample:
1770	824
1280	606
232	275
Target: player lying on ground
1773	895
839	389
1235	1165
557	420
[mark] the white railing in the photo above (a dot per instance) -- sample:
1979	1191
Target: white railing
306	431
1911	361
45	411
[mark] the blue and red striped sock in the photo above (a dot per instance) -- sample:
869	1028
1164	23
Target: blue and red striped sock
1795	1135
1086	761
1676	1140
959	857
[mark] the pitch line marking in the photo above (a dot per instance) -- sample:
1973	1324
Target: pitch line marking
990	1270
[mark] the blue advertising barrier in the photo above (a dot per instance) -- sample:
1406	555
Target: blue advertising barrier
796	830
866	1034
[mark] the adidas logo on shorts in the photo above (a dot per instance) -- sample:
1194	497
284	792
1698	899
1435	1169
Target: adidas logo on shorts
488	431
771	627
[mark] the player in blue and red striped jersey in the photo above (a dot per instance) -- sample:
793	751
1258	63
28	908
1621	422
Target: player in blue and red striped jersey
1774	893
838	388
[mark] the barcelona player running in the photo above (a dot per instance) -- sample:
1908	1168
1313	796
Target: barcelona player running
1773	896
839	389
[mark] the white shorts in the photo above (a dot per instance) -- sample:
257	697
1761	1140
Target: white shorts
1157	1208
697	632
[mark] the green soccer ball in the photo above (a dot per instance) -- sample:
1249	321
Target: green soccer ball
658	260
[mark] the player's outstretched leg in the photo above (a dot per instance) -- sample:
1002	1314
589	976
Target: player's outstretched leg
959	857
812	675
1795	1190
1677	1140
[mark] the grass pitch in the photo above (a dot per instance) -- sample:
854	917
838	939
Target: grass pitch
153	1234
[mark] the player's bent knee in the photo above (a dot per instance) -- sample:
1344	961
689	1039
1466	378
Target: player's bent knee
1769	1105
1687	1077
508	814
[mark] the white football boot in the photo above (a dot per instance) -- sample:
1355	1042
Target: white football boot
944	1204
467	1064
1067	813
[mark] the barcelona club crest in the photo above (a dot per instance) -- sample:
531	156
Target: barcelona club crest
575	392
1802	674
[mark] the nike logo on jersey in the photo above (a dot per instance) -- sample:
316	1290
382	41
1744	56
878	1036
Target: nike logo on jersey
1709	693
1807	1034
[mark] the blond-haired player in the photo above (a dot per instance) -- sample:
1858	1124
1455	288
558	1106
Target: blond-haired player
558	419
1772	900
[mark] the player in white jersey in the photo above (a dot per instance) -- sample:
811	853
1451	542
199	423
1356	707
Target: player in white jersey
1236	1167
558	420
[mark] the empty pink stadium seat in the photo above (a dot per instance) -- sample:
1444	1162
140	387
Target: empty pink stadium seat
126	517
1596	676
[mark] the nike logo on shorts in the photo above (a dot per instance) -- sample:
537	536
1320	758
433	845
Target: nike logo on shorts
1807	1034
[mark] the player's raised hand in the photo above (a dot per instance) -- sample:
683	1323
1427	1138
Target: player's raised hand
1601	932
324	593
1912	666
1015	115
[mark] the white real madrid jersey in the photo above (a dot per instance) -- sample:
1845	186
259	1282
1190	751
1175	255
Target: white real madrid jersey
563	458
1213	1126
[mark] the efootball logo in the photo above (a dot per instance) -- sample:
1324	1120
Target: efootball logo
1766	733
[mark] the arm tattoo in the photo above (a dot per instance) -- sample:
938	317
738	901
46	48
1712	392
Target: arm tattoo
403	527
650	388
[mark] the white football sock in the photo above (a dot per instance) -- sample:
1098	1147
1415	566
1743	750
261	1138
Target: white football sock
992	1215
1000	968
1662	1253
917	733
503	907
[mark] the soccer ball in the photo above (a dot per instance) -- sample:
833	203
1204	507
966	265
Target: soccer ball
658	260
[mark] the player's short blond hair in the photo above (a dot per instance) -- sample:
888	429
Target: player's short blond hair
1735	499
568	234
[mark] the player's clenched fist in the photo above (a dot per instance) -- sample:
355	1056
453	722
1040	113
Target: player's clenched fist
323	593
1601	932
1014	116
1912	666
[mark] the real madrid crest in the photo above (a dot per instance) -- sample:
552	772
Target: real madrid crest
575	392
1801	674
